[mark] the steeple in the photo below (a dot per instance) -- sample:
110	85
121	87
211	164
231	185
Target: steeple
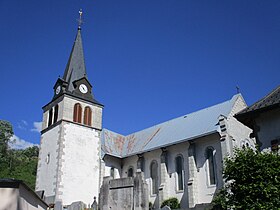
72	122
75	68
75	81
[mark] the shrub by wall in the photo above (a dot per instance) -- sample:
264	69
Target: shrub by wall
173	203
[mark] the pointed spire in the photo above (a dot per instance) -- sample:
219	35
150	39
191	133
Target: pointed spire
75	68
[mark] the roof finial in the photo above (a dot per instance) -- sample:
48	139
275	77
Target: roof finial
80	20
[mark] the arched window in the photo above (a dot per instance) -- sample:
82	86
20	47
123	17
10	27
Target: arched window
130	172
50	117
154	177
211	165
180	172
141	163
55	114
245	143
77	116
87	116
112	172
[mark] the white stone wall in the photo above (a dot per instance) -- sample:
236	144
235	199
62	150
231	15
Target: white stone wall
238	133
269	128
68	107
205	190
19	198
47	163
112	162
127	163
73	171
80	162
9	198
172	178
149	158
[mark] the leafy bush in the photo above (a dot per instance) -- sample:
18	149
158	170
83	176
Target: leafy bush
150	205
173	203
253	181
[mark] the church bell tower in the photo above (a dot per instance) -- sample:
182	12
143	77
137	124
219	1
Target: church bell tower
69	157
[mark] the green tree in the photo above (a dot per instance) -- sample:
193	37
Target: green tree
24	165
6	132
17	164
252	181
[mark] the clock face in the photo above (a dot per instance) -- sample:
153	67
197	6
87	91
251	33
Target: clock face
83	88
57	91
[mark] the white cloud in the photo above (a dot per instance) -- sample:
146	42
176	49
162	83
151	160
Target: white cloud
22	125
24	122
37	127
18	143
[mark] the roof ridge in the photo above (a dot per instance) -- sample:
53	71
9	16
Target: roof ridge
185	115
271	93
106	129
192	125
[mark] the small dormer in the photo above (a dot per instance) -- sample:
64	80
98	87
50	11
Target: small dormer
59	88
83	89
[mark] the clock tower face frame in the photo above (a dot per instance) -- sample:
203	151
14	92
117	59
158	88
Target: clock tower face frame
83	88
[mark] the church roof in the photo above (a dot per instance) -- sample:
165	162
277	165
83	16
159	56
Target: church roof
184	128
75	68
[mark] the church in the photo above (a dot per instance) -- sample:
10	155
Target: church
180	158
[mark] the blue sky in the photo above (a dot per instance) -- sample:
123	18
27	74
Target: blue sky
148	61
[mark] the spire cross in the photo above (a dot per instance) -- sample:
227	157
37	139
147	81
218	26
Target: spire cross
80	20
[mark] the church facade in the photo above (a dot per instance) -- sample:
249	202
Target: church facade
179	158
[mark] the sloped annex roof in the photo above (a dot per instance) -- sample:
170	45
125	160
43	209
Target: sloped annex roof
187	127
15	183
270	101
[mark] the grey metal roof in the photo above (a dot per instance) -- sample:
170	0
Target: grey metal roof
75	68
187	127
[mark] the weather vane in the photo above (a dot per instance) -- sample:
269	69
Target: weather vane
80	20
